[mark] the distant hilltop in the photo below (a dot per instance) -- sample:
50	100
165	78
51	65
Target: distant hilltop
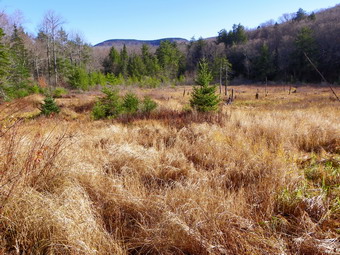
132	42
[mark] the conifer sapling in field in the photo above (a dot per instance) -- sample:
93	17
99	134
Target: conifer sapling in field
49	106
109	106
203	97
113	106
4	59
130	103
148	105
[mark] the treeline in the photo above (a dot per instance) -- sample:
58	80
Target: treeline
167	64
275	51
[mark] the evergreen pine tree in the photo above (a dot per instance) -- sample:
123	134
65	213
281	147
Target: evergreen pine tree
4	65
19	59
111	63
148	105
236	36
304	44
124	61
300	15
169	58
4	59
49	106
130	103
150	62
264	65
203	97
79	78
312	16
239	34
136	67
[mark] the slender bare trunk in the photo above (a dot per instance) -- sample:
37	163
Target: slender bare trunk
226	80
48	61
221	79
55	64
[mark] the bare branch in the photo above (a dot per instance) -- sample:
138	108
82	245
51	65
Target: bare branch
323	77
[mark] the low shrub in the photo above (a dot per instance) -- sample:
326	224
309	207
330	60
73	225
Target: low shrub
79	78
9	92
132	81
35	89
59	92
97	78
113	106
99	111
111	79
149	82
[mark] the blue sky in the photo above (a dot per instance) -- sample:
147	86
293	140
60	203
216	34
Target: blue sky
154	19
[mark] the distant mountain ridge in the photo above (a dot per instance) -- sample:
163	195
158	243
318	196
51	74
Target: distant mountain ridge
134	42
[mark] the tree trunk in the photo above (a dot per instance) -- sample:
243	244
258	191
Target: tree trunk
55	64
221	79
48	61
226	80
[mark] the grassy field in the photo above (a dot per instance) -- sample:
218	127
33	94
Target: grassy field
260	177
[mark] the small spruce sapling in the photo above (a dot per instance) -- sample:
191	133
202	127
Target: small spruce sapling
148	105
203	97
130	103
109	106
49	107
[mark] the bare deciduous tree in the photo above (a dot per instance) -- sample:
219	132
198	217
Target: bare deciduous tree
50	26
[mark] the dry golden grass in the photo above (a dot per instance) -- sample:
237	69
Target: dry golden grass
261	177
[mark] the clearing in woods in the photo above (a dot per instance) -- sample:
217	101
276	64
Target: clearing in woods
260	177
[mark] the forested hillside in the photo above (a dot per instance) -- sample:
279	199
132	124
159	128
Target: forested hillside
275	51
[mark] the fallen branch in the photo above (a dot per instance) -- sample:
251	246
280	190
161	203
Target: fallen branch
323	77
